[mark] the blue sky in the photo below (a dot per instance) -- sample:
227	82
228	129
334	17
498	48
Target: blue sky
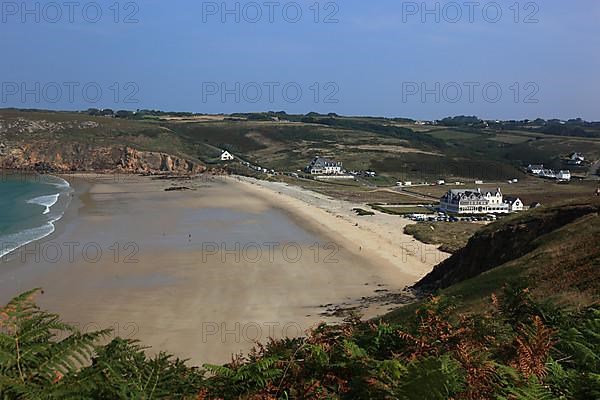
388	58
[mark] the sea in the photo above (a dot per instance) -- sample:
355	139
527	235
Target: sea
30	206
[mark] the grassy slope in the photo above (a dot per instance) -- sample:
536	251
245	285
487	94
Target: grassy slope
395	152
451	237
53	130
556	250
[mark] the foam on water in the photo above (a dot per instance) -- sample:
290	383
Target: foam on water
13	241
46	201
59	183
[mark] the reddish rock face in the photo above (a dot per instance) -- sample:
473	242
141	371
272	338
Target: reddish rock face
49	143
76	157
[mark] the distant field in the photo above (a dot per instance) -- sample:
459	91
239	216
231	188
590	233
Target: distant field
352	191
453	134
511	139
400	210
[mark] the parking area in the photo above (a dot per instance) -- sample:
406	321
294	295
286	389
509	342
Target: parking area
443	217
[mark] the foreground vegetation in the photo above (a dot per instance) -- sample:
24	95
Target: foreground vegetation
517	350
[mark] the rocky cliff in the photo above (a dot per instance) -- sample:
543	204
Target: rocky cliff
70	142
78	157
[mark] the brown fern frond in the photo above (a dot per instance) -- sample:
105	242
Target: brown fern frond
533	347
480	373
495	301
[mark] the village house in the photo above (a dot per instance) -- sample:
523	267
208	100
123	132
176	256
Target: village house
227	156
563	176
576	159
535	169
514	204
474	201
547	173
540	171
324	166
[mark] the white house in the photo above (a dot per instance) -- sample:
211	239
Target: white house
474	201
324	166
535	169
514	204
227	156
563	175
547	173
577	157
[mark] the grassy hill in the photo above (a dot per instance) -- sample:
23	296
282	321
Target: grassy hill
396	149
554	250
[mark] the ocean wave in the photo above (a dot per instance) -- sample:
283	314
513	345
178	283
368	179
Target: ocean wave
60	183
45	201
17	240
11	242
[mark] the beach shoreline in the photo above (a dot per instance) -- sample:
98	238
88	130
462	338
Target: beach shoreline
62	199
177	299
380	237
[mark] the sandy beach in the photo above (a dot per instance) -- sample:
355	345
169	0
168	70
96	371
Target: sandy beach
203	273
380	237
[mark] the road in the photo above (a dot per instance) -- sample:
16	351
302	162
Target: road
416	195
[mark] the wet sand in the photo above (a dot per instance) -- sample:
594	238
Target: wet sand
201	273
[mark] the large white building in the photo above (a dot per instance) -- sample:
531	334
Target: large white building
474	201
324	166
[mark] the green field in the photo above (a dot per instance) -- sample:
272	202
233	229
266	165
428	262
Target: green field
399	210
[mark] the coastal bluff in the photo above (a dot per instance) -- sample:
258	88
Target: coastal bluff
60	142
82	158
